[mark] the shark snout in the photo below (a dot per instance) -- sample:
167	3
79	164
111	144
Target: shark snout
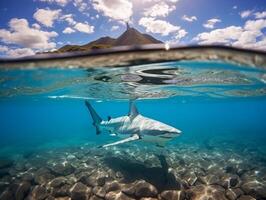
176	132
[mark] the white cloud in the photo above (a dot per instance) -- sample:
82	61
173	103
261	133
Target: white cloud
21	34
3	48
59	2
81	5
114	28
68	30
248	36
160	9
47	16
234	7
158	26
120	10
69	19
170	1
255	24
36	26
211	23
189	19
245	13
20	52
180	34
85	28
222	36
260	15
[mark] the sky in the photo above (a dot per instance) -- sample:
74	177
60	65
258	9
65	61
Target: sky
30	26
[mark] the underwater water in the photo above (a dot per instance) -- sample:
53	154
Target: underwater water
49	147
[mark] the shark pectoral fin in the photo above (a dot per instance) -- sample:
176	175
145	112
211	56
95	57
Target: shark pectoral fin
130	139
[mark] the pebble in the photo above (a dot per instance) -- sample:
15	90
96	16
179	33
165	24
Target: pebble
172	195
246	197
80	192
191	175
58	182
63	169
233	193
117	196
22	190
39	192
99	191
145	189
43	176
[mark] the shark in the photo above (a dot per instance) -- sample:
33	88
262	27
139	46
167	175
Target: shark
133	127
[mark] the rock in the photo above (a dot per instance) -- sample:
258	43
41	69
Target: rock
80	192
233	193
28	177
119	175
172	195
230	169
101	180
112	186
145	189
117	196
94	197
3	186
63	169
20	166
43	176
50	198
246	197
39	192
61	191
206	192
7	195
128	189
63	198
148	198
233	181
71	157
190	177
93	180
58	182
255	189
5	163
210	179
99	191
22	190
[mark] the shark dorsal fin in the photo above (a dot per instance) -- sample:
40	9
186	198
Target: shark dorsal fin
133	111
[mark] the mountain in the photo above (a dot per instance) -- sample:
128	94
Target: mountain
133	37
130	37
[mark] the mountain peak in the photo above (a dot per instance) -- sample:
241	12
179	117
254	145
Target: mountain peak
133	37
127	24
129	37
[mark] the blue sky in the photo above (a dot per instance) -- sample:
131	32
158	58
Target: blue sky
30	26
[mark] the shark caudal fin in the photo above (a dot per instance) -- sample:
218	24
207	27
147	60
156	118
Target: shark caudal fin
95	117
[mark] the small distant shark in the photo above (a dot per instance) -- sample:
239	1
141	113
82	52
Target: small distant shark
133	127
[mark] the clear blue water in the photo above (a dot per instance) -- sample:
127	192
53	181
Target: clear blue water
219	107
28	124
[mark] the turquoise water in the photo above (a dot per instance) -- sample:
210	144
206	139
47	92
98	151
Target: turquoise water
219	107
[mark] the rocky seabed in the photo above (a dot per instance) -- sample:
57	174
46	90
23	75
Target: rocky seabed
134	172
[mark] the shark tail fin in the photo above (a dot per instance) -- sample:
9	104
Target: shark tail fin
95	117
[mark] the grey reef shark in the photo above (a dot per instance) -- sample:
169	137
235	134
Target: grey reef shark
133	127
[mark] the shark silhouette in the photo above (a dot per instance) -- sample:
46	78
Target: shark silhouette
133	127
